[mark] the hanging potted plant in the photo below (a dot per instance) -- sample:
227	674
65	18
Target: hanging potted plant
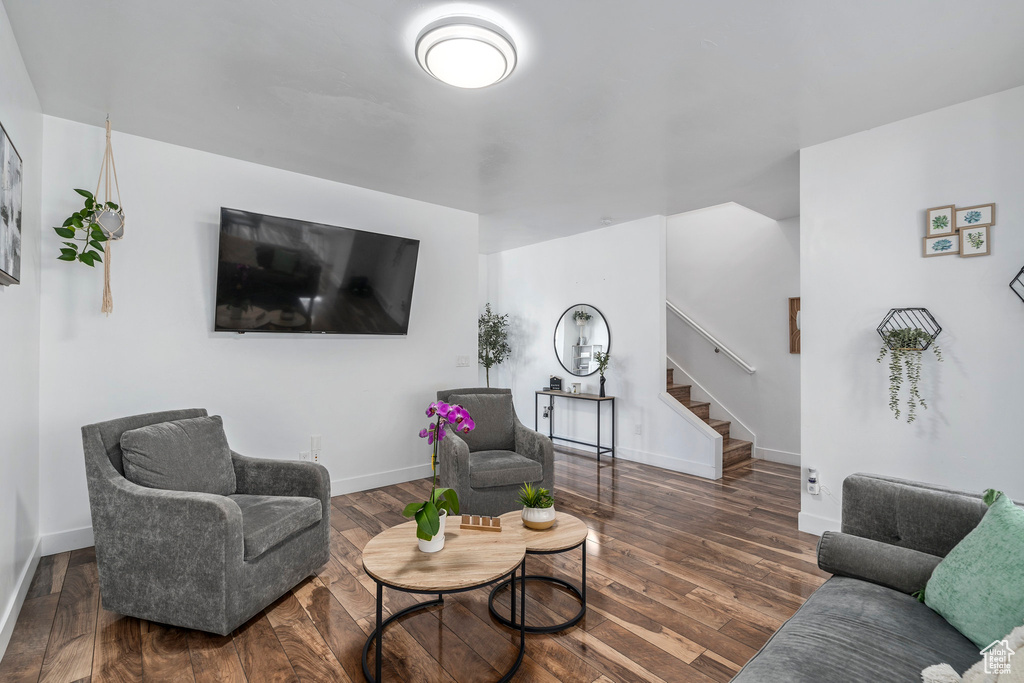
538	507
905	347
431	514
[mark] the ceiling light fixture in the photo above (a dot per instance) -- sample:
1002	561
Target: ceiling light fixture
466	52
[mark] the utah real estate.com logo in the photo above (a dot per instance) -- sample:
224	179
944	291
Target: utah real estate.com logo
997	657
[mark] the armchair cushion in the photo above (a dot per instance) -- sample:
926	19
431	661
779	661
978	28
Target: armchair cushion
268	520
181	455
502	468
495	424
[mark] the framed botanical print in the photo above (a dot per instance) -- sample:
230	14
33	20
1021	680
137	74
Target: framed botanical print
941	221
975	241
975	216
946	245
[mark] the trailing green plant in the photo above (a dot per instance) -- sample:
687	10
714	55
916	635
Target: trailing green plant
581	316
537	497
905	348
492	340
602	358
81	226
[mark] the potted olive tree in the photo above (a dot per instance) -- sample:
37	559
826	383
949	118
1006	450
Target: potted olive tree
492	340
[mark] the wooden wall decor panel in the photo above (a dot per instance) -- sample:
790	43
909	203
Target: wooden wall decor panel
794	322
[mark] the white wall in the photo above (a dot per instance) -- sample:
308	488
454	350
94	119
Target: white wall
364	395
733	270
863	201
19	347
620	270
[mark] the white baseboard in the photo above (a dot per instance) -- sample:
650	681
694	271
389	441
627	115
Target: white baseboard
371	481
772	455
63	541
13	607
698	469
812	524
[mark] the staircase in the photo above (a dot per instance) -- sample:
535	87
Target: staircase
734	451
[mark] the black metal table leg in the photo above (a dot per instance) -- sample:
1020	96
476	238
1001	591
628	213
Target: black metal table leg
581	595
599	432
380	630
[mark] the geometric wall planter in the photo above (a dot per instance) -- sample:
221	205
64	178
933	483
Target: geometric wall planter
1017	284
920	327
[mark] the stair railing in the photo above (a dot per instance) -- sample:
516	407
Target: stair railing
719	346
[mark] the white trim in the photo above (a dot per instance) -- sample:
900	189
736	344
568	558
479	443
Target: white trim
63	541
714	439
738	429
711	339
10	617
698	469
364	482
772	455
812	524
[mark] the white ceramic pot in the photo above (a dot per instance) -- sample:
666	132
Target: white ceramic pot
437	542
539	518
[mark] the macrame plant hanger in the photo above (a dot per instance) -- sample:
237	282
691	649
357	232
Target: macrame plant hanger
111	221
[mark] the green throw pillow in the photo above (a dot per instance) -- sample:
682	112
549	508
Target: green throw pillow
979	586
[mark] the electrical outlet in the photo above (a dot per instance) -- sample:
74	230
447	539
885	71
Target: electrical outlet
638	430
315	442
304	456
462	361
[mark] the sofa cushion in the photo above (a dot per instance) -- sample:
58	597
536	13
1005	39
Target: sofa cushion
183	455
492	413
852	630
502	468
977	587
268	520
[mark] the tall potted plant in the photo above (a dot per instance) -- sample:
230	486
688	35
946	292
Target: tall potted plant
602	358
431	514
492	341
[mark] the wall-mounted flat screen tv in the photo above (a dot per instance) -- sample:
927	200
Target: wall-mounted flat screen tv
284	275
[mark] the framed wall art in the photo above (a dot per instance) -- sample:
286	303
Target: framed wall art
947	245
975	241
975	216
10	211
941	221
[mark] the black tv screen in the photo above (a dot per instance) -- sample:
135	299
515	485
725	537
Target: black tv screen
283	275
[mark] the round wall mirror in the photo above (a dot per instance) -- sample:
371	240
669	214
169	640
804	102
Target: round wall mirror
580	333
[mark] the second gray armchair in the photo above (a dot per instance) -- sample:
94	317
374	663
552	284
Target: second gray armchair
487	466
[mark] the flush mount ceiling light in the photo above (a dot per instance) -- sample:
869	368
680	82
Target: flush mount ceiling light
466	52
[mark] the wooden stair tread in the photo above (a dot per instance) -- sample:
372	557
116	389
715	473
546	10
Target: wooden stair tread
734	444
719	423
695	404
679	386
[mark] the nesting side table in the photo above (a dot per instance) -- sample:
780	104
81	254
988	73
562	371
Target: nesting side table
567	533
470	559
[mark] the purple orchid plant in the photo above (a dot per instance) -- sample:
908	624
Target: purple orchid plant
428	513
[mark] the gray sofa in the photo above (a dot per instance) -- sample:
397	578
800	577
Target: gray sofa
488	466
201	560
863	624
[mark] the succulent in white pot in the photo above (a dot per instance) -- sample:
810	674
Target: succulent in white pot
538	507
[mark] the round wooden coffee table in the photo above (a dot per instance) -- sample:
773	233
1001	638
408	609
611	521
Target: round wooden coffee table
567	533
470	559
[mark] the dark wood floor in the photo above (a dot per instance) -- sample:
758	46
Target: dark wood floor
687	579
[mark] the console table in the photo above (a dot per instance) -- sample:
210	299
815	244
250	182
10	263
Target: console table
598	401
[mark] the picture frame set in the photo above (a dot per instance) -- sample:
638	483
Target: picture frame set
962	231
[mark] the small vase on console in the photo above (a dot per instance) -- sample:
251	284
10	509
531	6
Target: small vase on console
602	386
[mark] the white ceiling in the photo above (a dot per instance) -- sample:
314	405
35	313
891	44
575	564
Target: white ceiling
617	110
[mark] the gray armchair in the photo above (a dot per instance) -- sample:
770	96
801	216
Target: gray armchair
487	466
201	560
